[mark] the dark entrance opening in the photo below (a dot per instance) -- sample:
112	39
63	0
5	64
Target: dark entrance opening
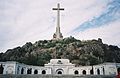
59	72
1	69
91	71
84	72
76	72
29	71
118	70
22	71
36	72
43	72
18	69
98	71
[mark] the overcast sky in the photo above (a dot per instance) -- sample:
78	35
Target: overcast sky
24	21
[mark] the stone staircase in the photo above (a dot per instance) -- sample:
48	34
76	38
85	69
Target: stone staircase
56	76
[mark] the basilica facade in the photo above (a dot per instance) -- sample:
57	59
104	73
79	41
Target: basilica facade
59	66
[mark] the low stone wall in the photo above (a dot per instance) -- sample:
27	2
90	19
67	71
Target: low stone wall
55	76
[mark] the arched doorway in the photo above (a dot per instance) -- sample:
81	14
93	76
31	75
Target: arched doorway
98	71
43	72
22	71
76	72
29	71
91	71
59	71
36	72
1	69
9	70
84	72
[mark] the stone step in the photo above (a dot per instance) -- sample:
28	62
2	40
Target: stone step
56	76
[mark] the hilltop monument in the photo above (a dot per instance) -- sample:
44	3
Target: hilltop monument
58	35
58	68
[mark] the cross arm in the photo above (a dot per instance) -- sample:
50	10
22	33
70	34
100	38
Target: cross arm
58	9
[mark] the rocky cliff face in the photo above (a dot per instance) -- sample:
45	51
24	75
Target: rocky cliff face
89	52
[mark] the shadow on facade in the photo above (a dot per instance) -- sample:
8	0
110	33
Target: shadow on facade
1	69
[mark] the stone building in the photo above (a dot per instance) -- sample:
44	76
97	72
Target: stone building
59	66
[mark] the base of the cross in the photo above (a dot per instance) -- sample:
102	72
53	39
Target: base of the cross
55	37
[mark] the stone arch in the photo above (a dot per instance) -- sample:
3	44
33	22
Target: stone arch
59	71
118	70
22	71
36	72
43	72
1	69
98	71
84	72
9	70
76	72
29	71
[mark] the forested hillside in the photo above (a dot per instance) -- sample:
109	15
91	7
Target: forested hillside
88	52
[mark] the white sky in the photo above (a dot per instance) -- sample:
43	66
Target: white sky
24	21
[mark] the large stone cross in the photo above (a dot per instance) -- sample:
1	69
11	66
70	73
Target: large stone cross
58	34
58	14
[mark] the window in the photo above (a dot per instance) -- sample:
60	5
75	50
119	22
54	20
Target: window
91	71
22	71
76	72
84	72
43	72
36	72
98	71
29	71
59	62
